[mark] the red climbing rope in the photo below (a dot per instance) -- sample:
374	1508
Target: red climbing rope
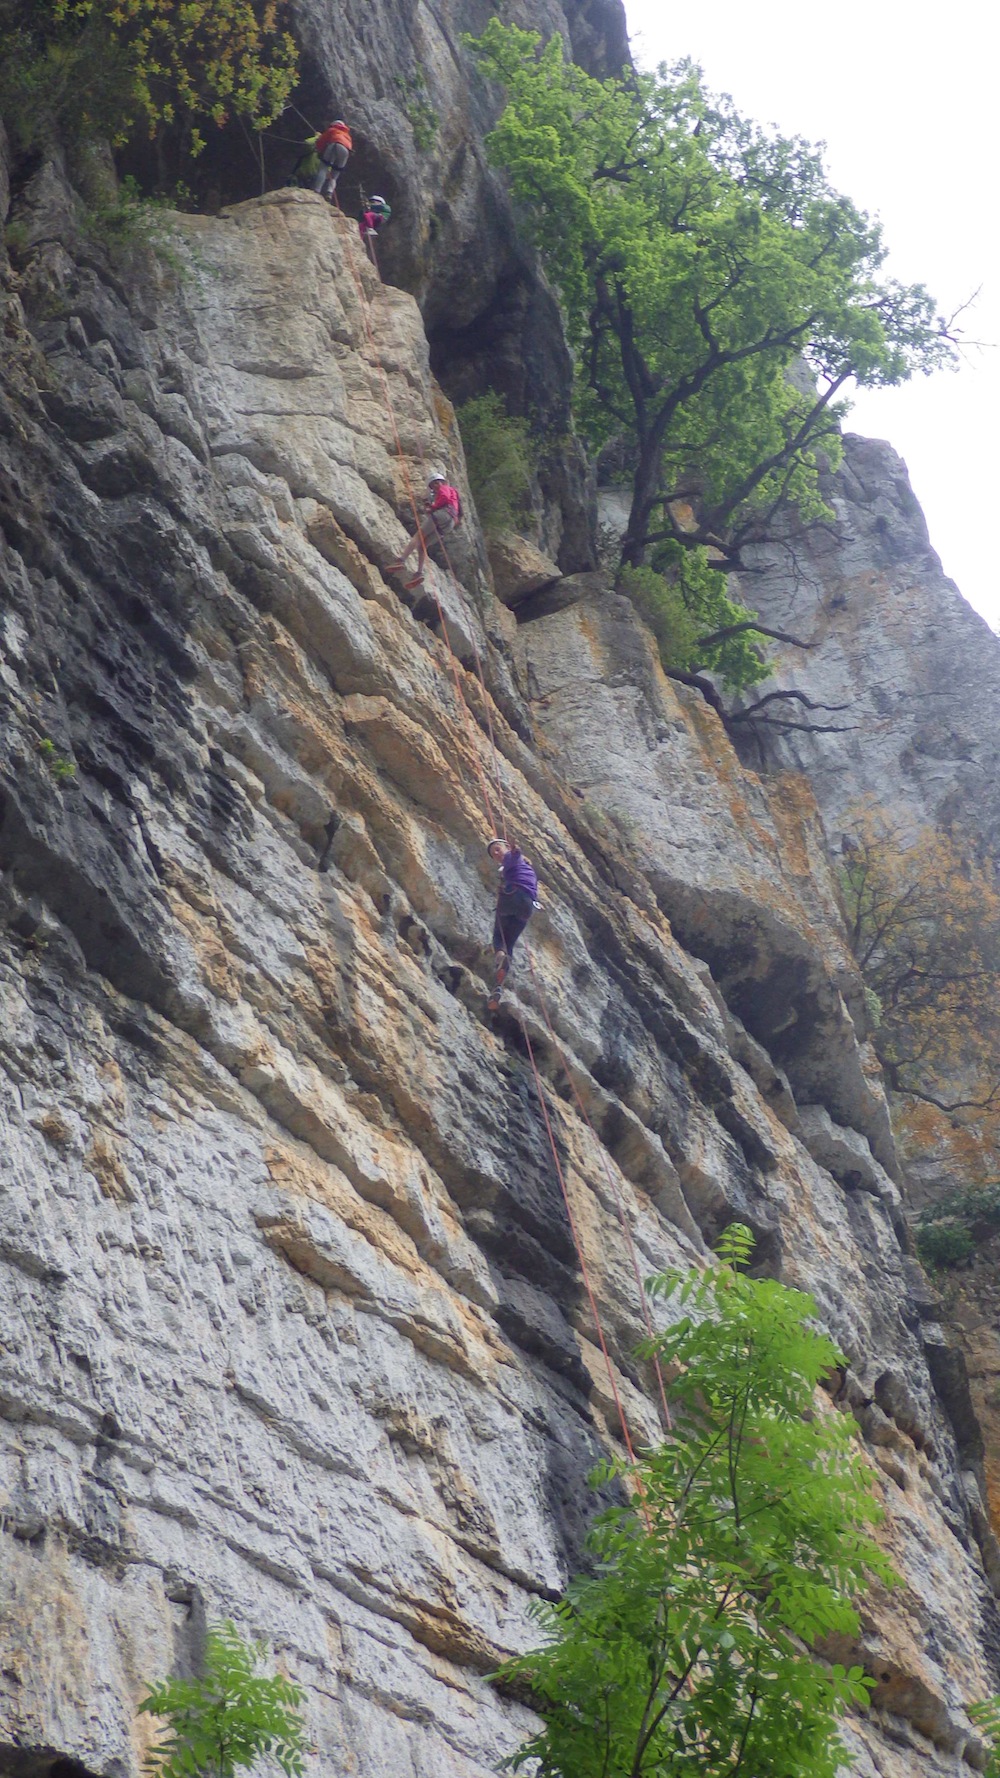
484	789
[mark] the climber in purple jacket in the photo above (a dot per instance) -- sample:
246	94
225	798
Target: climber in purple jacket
516	903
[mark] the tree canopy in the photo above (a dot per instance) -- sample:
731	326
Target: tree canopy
720	293
721	297
93	68
689	1648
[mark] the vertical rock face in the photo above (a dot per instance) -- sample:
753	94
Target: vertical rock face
914	675
913	669
419	111
293	1326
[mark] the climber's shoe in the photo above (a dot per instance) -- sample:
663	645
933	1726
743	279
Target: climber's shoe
395	567
410	586
501	964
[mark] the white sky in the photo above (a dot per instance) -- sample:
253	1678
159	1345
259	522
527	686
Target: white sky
905	96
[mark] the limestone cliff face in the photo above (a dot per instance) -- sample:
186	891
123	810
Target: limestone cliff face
419	112
916	674
292	1326
915	671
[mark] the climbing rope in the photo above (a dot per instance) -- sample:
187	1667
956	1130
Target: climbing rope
484	791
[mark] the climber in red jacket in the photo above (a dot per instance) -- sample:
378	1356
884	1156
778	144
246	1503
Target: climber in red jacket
332	146
443	511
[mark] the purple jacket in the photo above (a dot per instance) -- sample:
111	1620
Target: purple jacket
517	873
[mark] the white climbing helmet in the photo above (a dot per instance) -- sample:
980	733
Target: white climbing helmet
377	200
436	475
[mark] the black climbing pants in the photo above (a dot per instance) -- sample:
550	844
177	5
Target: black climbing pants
514	910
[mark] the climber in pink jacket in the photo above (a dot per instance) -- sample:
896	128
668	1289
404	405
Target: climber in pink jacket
443	511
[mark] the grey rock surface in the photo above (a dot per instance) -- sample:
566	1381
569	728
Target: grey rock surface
292	1326
916	668
419	111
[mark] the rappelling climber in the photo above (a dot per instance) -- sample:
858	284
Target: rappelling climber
372	221
516	903
332	146
443	511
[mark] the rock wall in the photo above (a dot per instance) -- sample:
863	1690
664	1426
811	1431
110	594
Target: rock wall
914	670
419	111
293	1327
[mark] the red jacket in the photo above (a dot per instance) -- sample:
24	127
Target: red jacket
446	495
338	132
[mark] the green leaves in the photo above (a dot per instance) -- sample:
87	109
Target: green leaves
500	458
986	1717
97	68
688	1648
719	293
229	1717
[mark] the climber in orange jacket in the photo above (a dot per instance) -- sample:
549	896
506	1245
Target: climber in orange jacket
442	512
332	146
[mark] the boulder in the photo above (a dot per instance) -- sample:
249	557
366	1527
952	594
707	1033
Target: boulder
519	568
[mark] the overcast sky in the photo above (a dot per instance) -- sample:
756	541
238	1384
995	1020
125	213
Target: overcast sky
905	98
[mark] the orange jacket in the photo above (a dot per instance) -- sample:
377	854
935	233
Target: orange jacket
338	132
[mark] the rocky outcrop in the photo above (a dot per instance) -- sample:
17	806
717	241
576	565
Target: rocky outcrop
419	112
519	569
293	1327
912	669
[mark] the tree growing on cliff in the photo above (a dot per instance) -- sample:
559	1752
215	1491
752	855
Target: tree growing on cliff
227	1718
101	68
721	295
688	1649
500	460
924	925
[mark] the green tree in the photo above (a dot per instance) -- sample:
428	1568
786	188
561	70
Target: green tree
500	459
92	68
689	1649
228	1717
720	294
697	626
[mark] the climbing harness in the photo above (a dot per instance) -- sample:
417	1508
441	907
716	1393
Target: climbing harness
501	828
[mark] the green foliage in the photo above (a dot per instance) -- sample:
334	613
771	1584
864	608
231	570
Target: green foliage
954	1226
62	768
120	218
720	294
61	76
944	1244
228	1718
684	602
500	458
86	69
986	1717
688	1649
424	120
873	1007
